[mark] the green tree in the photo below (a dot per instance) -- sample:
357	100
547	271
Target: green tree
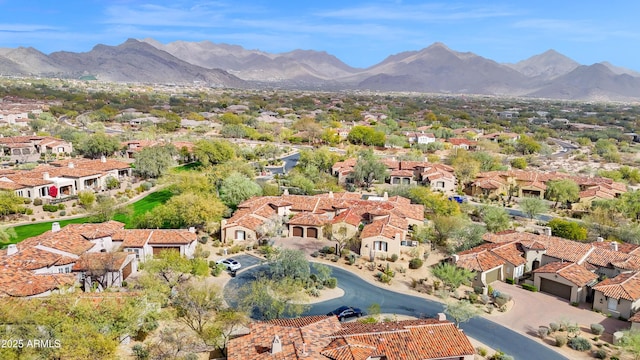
452	276
435	203
465	167
10	203
6	234
171	268
365	135
533	206
211	152
443	227
368	169
97	145
562	191
196	307
461	311
496	219
288	263
190	209
154	161
630	205
237	188
519	163
567	229
528	145
269	299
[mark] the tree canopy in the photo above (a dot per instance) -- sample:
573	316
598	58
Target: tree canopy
237	188
97	145
154	161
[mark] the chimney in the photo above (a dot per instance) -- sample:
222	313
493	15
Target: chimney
330	194
192	230
385	195
600	239
103	159
45	175
276	345
614	246
547	230
455	258
286	191
12	249
442	317
55	227
71	166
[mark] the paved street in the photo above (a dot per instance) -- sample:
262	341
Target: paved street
358	292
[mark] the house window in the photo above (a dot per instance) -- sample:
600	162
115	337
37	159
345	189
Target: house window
43	191
240	234
440	184
60	150
380	246
612	304
518	271
408	243
19	192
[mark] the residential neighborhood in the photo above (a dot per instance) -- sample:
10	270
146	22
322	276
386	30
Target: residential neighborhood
234	223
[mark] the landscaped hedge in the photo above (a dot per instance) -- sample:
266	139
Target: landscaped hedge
529	287
509	281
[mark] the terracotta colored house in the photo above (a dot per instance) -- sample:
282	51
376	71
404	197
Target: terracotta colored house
619	296
324	337
565	279
385	222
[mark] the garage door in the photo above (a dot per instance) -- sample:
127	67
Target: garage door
492	276
126	271
297	231
158	250
312	233
555	288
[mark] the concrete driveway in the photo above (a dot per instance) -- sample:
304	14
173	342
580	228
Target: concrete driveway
531	310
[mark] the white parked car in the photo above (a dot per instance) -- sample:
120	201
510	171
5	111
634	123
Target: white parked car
231	264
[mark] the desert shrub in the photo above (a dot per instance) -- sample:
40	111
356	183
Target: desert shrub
600	354
502	299
335	258
203	240
543	331
28	211
482	351
37	202
499	355
50	208
580	344
313	292
477	289
553	327
415	263
384	278
561	340
473	298
236	249
315	254
393	258
146	186
328	250
331	283
351	259
218	269
484	299
62	213
597	329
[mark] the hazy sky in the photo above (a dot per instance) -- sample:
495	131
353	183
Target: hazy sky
360	33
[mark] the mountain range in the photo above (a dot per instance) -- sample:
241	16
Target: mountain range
435	69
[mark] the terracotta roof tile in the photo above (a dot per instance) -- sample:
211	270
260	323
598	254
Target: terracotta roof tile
572	272
624	286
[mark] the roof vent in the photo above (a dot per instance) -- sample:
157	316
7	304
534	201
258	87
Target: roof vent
614	246
103	159
12	249
45	175
600	239
192	230
276	345
55	227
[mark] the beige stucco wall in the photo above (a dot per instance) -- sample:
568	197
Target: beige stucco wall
625	308
366	248
578	294
229	233
351	230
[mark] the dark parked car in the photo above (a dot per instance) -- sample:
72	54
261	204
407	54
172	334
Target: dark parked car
344	312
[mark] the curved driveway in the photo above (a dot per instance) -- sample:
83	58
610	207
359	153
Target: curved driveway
358	292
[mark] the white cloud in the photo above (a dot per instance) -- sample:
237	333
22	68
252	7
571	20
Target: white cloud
26	27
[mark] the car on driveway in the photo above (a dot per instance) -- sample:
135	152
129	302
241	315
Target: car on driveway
344	312
231	264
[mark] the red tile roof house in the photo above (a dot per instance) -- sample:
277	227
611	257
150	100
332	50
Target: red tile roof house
85	254
386	222
561	267
619	296
145	243
67	176
324	337
28	148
